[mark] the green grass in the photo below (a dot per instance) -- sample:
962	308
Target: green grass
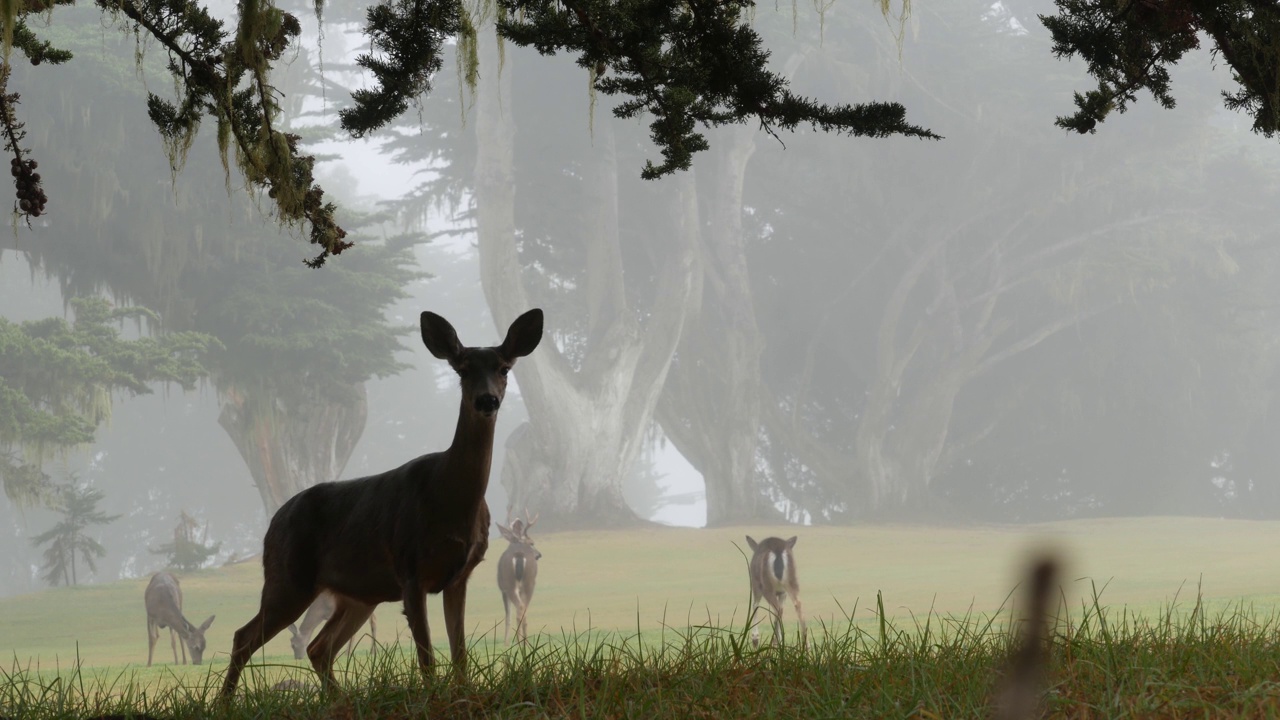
1184	662
641	623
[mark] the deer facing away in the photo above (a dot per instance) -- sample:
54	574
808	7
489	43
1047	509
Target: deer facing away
320	611
420	528
517	575
163	599
773	578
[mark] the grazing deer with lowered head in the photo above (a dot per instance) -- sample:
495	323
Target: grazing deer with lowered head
420	528
517	575
163	598
773	577
320	611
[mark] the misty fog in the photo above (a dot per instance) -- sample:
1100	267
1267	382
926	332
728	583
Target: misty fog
1008	325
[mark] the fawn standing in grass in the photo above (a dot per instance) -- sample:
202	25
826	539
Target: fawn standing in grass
773	577
420	528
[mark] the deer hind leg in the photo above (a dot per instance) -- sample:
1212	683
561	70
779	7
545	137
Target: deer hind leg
756	618
281	606
348	617
804	631
506	620
522	623
775	602
355	639
153	634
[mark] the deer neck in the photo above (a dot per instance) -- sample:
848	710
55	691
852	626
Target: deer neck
470	456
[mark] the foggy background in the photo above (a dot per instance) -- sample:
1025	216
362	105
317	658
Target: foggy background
1009	325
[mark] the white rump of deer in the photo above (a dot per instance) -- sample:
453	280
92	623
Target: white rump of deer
321	610
517	575
163	598
420	528
773	578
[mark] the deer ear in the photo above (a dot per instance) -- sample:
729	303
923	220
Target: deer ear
752	544
205	625
791	542
440	337
293	630
523	335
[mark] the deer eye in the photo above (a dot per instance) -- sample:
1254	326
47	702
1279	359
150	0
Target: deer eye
504	370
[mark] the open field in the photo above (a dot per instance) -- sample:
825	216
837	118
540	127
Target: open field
629	580
938	653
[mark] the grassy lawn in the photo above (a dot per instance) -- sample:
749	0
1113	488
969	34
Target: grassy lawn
621	580
637	581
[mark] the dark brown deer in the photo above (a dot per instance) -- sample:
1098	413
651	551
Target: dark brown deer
420	528
773	577
517	576
163	598
321	610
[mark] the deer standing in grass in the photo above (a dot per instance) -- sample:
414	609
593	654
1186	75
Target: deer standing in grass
163	598
517	575
420	528
320	611
773	577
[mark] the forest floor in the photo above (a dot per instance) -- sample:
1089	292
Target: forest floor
1163	617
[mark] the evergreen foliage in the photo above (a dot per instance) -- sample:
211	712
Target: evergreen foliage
78	505
57	380
190	548
686	64
1130	46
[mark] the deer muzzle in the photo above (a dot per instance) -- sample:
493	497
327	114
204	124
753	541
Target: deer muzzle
488	403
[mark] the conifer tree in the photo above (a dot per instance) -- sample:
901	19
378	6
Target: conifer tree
77	503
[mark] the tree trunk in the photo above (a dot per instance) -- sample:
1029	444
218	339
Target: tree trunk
587	425
291	445
711	407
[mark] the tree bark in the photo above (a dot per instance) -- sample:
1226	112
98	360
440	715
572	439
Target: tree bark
711	407
291	445
587	424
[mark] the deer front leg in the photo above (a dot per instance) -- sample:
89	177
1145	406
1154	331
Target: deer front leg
173	645
415	612
455	603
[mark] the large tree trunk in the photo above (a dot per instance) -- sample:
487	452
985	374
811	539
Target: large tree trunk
290	445
587	425
711	407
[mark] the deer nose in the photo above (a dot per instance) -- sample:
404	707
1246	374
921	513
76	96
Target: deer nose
488	403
